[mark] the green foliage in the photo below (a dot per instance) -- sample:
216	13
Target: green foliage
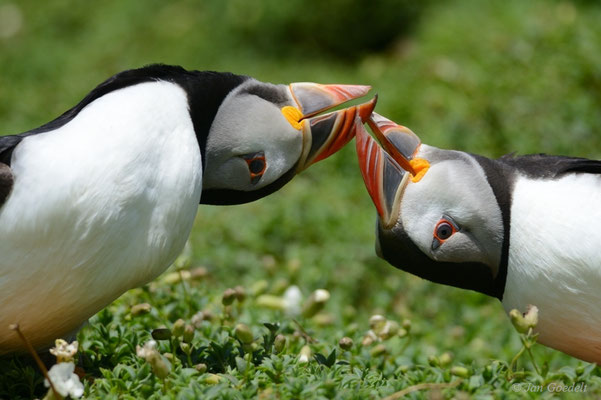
326	361
485	77
216	364
340	28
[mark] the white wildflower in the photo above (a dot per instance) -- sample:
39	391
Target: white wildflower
321	295
292	300
531	316
369	338
160	364
315	303
389	329
305	355
148	351
64	351
526	321
377	323
64	380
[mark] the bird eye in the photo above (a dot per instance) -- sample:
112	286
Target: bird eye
256	166
444	230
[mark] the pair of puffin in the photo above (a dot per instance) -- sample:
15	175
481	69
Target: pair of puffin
103	198
525	230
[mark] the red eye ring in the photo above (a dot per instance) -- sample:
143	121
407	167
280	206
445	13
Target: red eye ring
256	166
444	229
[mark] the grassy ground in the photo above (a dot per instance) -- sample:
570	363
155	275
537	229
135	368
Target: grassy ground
484	77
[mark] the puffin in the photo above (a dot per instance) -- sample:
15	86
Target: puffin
102	199
522	229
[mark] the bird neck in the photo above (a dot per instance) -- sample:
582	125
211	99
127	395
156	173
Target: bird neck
206	91
500	178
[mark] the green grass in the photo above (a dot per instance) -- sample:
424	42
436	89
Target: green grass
483	77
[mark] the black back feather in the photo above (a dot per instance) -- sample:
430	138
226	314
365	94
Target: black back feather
550	167
206	91
6	182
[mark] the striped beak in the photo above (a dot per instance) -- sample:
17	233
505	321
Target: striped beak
387	169
325	134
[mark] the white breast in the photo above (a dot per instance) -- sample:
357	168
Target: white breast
101	205
555	260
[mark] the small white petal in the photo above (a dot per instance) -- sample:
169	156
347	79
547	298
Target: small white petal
64	380
148	350
321	295
292	300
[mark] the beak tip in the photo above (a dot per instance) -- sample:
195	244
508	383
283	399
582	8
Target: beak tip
366	109
355	91
313	98
349	92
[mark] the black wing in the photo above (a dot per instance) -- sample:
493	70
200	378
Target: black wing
206	90
7	145
546	166
121	80
6	182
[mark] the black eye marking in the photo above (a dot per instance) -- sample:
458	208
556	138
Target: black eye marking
444	229
256	166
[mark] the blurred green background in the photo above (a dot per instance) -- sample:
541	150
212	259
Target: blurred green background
487	77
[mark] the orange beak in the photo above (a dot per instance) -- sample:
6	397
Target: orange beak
324	135
386	172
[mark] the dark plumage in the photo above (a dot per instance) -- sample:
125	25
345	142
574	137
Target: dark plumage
206	91
550	166
6	182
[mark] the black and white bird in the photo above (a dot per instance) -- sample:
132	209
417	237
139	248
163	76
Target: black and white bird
103	198
522	229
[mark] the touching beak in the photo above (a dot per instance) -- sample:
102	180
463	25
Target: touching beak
388	168
324	135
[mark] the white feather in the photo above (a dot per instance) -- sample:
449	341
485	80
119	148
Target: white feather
555	260
103	204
